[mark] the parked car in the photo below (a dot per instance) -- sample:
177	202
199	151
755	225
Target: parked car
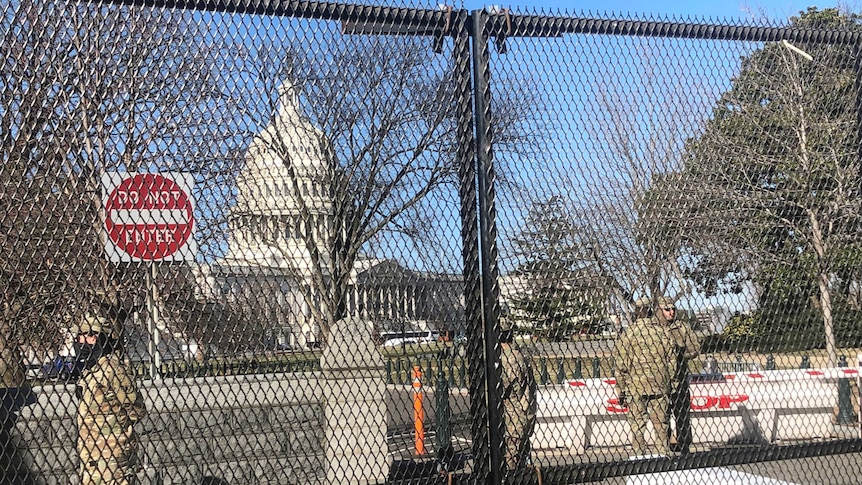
391	339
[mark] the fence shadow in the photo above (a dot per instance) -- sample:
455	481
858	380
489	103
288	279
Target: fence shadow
752	433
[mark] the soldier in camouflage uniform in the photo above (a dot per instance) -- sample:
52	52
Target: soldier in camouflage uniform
519	399
686	347
110	404
644	357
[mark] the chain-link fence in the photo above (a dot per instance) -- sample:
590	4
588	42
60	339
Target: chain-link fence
308	242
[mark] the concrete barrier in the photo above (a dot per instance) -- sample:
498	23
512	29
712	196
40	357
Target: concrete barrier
731	408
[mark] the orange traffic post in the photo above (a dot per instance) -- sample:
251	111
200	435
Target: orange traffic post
418	412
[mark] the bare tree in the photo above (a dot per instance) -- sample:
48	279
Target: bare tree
379	113
101	88
642	132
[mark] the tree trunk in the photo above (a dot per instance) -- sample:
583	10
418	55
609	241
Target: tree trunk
828	326
823	284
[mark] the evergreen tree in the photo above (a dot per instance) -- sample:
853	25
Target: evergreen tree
558	297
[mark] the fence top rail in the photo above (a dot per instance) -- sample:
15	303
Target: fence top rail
421	21
336	11
553	26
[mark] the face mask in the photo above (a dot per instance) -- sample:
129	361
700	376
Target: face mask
87	355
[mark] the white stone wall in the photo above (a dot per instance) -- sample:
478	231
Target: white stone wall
299	428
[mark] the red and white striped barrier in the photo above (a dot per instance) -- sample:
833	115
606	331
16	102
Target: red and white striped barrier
740	407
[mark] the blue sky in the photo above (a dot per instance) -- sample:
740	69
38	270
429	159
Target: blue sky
699	71
715	9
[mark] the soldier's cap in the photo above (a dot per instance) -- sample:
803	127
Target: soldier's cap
92	324
642	302
665	302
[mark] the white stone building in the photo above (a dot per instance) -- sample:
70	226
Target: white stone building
269	257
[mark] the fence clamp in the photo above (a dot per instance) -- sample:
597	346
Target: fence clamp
500	39
438	35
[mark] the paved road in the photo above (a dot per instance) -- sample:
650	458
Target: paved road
839	469
829	470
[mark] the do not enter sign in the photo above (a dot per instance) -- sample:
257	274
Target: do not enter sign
149	217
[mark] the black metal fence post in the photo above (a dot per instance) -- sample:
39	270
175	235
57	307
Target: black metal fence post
488	239
442	412
543	371
469	198
845	405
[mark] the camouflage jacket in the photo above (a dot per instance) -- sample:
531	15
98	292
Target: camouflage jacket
110	404
687	348
644	359
519	391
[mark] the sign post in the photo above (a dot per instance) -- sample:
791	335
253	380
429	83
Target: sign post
149	217
152	299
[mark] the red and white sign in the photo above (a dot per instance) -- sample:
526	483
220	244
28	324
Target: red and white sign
698	403
148	216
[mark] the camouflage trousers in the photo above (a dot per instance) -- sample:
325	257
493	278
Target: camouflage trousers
649	408
680	410
516	437
517	452
107	473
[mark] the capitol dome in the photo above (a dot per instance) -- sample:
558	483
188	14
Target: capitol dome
282	193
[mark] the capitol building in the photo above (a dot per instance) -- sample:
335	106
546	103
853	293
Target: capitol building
279	229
